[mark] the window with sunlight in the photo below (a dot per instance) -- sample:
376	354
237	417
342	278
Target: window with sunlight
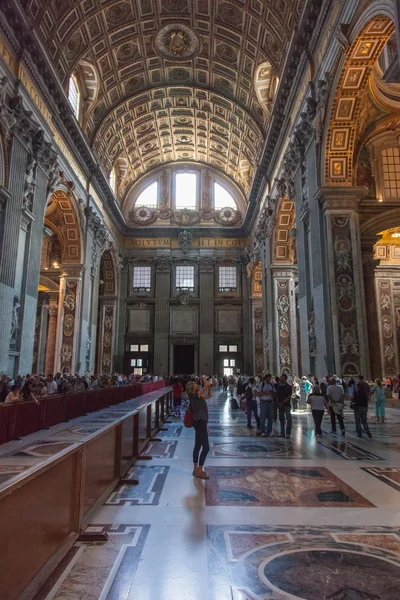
222	198
74	95
149	196
185	278
185	190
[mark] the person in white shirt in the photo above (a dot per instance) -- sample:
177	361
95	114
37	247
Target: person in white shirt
52	387
267	394
335	395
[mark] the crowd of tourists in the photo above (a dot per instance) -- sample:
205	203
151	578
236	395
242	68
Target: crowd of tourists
33	387
267	398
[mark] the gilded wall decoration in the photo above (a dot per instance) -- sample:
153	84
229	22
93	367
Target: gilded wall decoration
387	331
61	213
177	41
347	118
256	283
345	295
68	327
285	243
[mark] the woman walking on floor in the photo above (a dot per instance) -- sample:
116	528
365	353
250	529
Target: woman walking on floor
318	403
198	402
380	398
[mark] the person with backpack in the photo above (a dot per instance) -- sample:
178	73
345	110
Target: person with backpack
251	403
267	394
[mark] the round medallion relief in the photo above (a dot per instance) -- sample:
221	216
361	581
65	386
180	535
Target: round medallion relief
336	574
177	41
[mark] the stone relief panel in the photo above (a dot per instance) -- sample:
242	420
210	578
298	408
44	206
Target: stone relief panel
345	295
386	326
140	320
68	329
106	355
228	320
258	340
283	314
184	319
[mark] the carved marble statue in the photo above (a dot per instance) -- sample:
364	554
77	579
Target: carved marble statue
15	320
7	118
30	182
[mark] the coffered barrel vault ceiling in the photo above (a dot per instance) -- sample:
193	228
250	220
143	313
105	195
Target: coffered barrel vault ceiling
176	77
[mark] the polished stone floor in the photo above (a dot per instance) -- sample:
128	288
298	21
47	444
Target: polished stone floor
305	518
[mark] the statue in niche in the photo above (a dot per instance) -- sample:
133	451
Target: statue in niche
185	240
30	183
7	119
364	175
15	320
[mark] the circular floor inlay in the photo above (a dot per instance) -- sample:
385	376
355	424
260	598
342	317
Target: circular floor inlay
334	575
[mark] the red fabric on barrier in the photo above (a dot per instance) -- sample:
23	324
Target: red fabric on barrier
18	420
27	419
7	416
88	401
100	399
53	412
74	406
151	386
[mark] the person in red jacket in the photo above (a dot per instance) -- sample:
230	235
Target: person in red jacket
177	391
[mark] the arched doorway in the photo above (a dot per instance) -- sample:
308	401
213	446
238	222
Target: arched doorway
57	318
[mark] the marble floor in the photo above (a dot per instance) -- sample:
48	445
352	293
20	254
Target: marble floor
305	518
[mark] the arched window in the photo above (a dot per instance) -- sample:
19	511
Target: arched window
149	196
74	95
222	198
113	180
265	85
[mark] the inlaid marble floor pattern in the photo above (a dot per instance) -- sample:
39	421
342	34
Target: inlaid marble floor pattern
300	519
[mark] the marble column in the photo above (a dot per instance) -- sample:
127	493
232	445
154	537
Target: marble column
285	318
161	316
206	342
247	321
346	284
258	340
40	333
386	320
49	365
122	314
12	254
68	318
268	308
106	334
373	320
